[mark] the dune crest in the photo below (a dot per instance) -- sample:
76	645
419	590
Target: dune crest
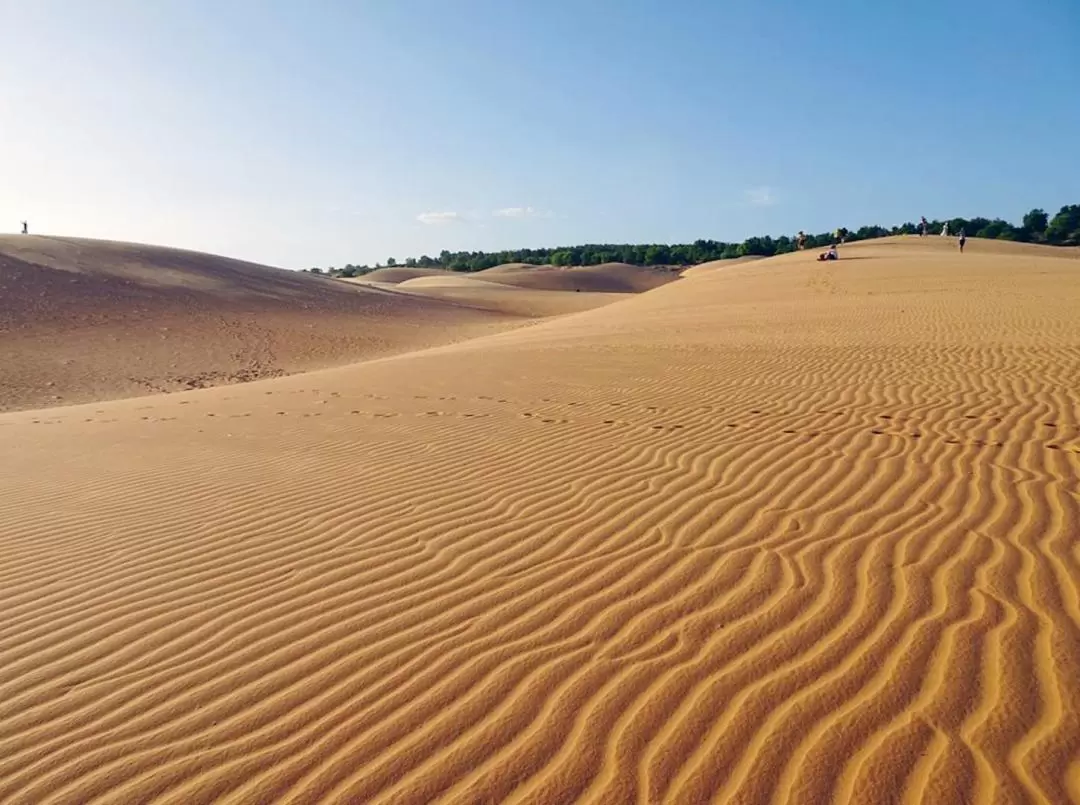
787	531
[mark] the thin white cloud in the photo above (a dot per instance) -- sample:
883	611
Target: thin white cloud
521	212
760	197
438	217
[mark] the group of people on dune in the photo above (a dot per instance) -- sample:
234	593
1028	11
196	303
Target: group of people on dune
840	235
924	230
832	254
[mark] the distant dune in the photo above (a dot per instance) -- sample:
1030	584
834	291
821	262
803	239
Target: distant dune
604	278
522	289
778	532
512	268
401	274
88	320
508	299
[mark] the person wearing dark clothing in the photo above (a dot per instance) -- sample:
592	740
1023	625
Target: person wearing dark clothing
25	230
963	240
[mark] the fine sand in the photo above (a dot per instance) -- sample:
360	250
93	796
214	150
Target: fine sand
782	532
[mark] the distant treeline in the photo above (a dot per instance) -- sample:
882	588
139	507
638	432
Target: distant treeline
1037	227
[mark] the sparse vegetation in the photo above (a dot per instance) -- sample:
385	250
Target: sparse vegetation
1037	227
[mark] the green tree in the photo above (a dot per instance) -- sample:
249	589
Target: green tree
1064	228
562	257
757	247
391	262
1036	222
657	255
999	229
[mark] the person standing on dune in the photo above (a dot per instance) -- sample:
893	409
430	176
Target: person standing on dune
963	240
25	230
923	225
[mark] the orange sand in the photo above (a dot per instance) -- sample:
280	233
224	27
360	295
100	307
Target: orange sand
785	532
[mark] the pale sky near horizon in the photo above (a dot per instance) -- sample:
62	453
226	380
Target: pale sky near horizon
326	133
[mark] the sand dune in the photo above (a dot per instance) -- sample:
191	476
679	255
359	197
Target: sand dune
402	273
508	299
88	320
604	278
554	295
784	532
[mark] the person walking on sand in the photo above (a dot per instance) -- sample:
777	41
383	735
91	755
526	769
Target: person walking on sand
800	240
25	230
963	240
945	230
923	226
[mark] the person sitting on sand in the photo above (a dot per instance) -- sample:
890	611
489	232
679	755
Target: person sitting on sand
831	254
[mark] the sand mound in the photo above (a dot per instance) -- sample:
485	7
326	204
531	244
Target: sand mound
88	320
402	274
788	532
505	299
604	278
511	268
451	280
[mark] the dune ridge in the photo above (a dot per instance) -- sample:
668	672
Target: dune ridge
783	532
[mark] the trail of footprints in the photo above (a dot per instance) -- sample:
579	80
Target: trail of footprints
892	427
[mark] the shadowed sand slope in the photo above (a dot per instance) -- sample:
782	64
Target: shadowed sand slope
787	532
88	320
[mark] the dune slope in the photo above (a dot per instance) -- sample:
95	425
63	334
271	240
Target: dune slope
88	320
782	532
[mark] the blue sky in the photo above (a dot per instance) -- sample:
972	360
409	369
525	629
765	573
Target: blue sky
322	133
